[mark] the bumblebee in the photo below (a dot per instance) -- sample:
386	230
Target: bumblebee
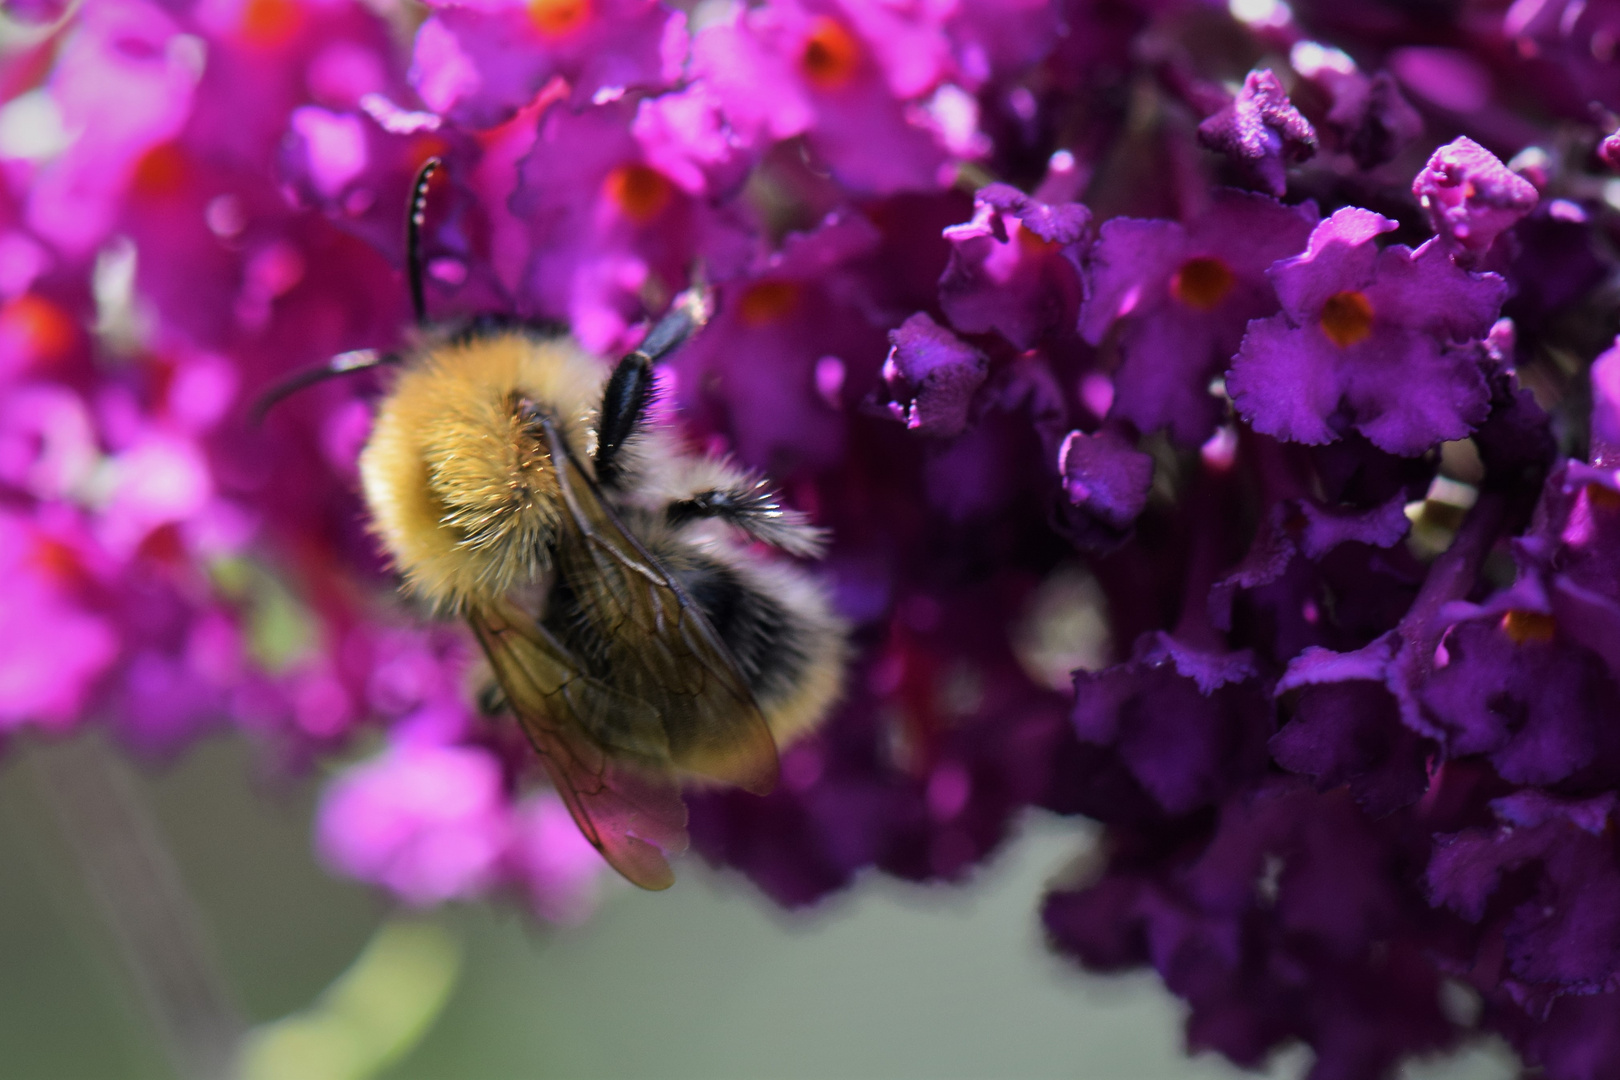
623	589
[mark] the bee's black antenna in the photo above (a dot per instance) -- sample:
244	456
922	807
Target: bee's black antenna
413	236
341	364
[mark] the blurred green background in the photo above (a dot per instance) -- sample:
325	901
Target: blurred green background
706	981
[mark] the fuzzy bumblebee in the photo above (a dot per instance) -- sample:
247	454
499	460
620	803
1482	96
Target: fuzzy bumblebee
619	585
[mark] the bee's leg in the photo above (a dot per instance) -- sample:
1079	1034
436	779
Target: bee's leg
754	507
629	389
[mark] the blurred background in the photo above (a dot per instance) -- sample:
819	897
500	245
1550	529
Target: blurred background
707	980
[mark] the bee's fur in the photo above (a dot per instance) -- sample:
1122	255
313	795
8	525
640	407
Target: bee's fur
466	502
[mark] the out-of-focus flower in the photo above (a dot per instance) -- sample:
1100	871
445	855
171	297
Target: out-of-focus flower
1261	132
479	63
1370	117
426	822
1014	268
846	77
608	228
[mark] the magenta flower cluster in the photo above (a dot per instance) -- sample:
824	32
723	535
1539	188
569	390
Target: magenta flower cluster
1216	410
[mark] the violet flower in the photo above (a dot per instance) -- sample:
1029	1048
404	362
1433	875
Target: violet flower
1381	341
1184	294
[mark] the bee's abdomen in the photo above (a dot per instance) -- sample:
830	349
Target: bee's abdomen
764	637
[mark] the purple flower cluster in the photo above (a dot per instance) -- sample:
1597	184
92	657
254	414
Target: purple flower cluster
1215	408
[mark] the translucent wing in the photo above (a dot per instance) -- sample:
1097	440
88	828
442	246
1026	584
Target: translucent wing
661	649
590	737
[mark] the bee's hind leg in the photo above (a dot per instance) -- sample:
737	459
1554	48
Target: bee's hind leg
752	505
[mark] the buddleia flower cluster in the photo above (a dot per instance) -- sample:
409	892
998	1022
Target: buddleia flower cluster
1215	408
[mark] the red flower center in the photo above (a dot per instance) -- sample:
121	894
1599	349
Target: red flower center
161	170
557	17
37	326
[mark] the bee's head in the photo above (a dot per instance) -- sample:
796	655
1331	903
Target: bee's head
457	473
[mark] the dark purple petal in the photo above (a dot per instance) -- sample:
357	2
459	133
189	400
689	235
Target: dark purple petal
1179	719
1560	928
1536	706
1605	376
1105	478
932	375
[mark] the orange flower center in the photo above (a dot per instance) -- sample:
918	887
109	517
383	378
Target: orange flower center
639	191
1523	626
40	327
268	23
1031	241
767	301
1202	283
59	561
1602	498
1347	318
831	54
557	17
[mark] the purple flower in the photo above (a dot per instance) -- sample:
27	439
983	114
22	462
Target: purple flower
1261	132
1364	742
479	63
607	227
124	82
1189	726
1184	295
1382	341
1565	48
1558	932
1014	267
1471	197
1609	150
1605	378
426	822
1295	577
838	75
787	349
1510	689
1265	925
52	647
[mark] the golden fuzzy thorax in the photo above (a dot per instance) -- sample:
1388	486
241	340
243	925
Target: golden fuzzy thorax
459	484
